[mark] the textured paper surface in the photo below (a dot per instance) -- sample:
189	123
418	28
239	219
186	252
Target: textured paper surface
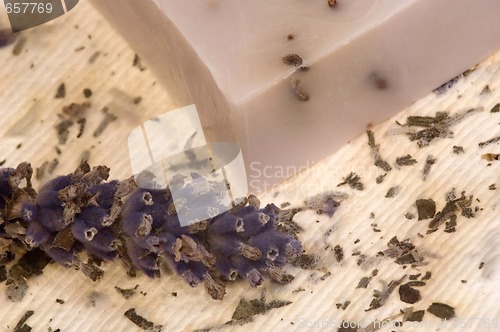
29	113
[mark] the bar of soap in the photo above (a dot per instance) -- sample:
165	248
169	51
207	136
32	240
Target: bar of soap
290	81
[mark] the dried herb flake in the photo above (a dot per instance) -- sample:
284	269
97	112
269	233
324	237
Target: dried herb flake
141	322
405	161
441	310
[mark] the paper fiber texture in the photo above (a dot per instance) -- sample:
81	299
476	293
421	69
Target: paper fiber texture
451	257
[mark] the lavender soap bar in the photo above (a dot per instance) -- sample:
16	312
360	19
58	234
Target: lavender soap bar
291	81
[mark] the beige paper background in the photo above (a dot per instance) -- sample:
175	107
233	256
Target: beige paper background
51	55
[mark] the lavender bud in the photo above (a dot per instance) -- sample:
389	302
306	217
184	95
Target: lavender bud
103	240
143	260
226	246
60	255
57	184
51	219
247	271
272	244
36	235
225	268
137	224
83	232
227	223
49	199
106	193
256	222
192	272
100	254
29	211
156	243
93	216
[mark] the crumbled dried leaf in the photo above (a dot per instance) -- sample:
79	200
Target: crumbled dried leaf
141	322
61	91
127	292
138	63
380	178
338	252
441	310
405	161
353	180
491	156
325	276
489	142
64	239
409	215
428	164
397	248
75	110
21	326
89	269
94	57
486	90
458	149
435	127
426	208
427	275
393	191
416	316
62	129
408	294
16	289
381	297
108	118
363	283
378	161
306	261
30	264
249	308
448	213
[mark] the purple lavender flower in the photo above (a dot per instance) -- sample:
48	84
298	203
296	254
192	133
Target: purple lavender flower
71	213
83	212
241	242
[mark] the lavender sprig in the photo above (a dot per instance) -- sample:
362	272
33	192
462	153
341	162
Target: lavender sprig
83	213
